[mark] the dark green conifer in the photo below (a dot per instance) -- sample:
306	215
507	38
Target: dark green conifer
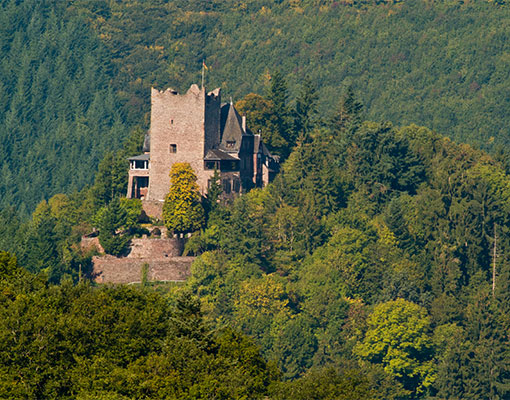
305	111
110	220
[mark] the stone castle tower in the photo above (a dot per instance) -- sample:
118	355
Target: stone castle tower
197	128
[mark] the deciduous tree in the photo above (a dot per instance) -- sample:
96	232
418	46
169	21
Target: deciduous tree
182	210
398	337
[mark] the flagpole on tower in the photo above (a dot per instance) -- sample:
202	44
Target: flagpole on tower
203	69
203	72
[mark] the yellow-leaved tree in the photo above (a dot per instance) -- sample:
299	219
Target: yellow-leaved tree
182	210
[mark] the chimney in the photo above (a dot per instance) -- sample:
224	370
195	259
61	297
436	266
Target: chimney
244	123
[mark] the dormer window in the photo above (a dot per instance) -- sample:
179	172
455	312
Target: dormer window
173	148
231	144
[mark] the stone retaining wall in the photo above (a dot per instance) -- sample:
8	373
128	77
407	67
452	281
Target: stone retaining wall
156	248
110	269
153	208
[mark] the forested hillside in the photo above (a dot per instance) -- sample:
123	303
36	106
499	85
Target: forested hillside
78	342
375	266
58	112
75	75
374	246
365	270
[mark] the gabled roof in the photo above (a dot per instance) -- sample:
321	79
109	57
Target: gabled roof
231	129
217	155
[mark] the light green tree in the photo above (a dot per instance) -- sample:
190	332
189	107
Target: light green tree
399	338
182	210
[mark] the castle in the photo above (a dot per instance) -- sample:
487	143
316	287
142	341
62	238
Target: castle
197	128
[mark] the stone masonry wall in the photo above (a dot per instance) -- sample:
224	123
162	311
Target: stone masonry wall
110	269
153	208
157	248
180	120
162	255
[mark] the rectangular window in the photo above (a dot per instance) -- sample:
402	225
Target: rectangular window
237	186
226	186
231	144
173	148
210	165
139	164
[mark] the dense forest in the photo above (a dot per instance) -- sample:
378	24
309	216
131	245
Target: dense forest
375	265
75	76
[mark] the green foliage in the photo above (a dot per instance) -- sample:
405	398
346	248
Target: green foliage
133	208
362	214
41	252
82	342
111	178
58	116
212	200
326	384
109	221
182	210
398	336
8	266
257	110
305	113
73	81
145	275
347	116
282	137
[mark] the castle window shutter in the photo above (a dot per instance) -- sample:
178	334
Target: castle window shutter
173	148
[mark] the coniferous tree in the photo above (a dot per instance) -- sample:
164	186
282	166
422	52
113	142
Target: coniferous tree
282	139
305	111
111	178
41	251
348	114
213	193
110	220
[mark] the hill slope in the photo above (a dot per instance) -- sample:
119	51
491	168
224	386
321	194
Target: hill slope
76	75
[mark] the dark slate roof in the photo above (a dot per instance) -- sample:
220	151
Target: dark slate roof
225	107
216	155
256	143
232	129
141	157
147	143
265	150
